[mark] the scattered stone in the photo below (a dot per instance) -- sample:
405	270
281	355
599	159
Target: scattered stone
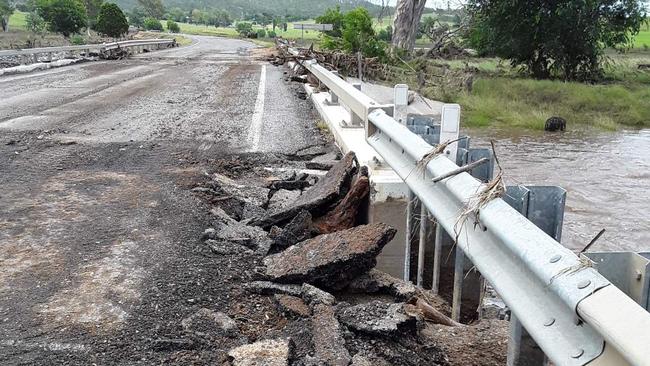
329	344
238	201
330	260
319	198
313	295
379	318
206	322
227	229
268	352
344	215
298	229
272	288
359	360
165	344
376	281
282	198
292	306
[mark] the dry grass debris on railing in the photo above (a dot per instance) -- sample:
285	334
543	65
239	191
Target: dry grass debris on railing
493	189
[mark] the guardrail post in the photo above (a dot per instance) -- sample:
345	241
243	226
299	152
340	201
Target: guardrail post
544	206
424	219
356	121
410	207
450	129
437	257
401	100
459	266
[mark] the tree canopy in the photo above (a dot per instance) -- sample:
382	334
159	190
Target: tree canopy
111	21
63	16
562	38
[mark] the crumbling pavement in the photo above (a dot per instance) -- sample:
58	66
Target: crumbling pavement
313	260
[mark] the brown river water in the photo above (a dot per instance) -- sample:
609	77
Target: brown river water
606	175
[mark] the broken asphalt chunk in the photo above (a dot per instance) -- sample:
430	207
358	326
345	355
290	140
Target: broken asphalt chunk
268	352
319	198
379	318
329	344
298	229
272	288
330	260
376	281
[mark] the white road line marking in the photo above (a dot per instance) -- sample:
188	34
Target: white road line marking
256	124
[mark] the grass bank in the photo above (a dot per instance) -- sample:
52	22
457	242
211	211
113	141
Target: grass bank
502	97
527	103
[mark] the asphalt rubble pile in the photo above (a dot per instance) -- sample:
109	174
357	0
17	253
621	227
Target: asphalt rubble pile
314	262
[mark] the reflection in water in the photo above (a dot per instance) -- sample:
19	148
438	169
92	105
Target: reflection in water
606	175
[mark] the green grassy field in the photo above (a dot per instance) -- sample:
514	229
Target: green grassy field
17	20
642	40
526	103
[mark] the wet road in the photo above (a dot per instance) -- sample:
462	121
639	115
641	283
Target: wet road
606	175
100	254
212	90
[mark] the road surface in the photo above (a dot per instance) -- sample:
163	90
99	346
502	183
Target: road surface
100	255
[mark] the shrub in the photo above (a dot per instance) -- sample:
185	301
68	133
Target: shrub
153	24
244	28
272	34
111	21
77	40
173	27
261	33
63	16
386	34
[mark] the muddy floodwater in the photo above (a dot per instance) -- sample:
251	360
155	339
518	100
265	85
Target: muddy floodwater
606	175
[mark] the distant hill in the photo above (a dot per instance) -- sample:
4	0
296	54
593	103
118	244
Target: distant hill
240	8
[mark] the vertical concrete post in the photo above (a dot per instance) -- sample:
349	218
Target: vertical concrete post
450	129
401	100
49	57
424	219
459	266
410	208
356	121
437	257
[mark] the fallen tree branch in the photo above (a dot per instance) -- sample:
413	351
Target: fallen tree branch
462	169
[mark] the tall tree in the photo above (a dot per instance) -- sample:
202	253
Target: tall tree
407	19
111	21
153	8
563	38
92	10
6	9
63	16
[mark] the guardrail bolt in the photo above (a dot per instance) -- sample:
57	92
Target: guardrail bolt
549	322
583	284
578	353
556	258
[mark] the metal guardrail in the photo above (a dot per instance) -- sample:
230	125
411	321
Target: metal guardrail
99	47
573	313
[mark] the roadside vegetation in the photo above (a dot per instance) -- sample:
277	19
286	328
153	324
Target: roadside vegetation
600	82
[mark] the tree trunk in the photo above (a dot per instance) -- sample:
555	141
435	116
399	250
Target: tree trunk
4	22
407	21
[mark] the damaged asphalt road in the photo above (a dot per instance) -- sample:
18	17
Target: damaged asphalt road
101	257
181	207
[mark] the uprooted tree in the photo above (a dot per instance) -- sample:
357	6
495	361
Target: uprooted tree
554	38
407	19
